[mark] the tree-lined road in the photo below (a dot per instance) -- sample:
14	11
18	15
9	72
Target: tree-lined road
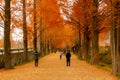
52	68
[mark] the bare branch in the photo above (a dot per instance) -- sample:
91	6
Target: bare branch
2	8
2	17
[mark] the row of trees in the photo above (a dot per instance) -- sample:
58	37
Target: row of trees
45	17
7	26
34	20
115	35
91	19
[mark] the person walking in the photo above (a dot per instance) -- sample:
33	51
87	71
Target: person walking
60	55
36	54
68	55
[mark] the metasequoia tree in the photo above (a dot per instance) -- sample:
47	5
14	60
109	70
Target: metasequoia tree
7	46
83	18
84	12
47	20
99	13
77	20
80	17
115	35
25	42
40	35
35	29
95	46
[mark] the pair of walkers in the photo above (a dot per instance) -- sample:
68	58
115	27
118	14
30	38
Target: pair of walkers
68	56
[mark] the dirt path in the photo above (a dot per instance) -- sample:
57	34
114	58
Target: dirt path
52	68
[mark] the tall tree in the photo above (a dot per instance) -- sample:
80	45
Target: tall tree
7	35
25	42
115	35
86	32
95	47
40	35
83	18
35	29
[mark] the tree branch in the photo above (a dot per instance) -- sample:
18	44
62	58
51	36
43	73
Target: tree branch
2	17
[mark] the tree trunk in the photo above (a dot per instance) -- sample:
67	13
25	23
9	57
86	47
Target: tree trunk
79	44
40	36
117	19
113	48
7	46
35	30
115	36
25	42
86	39
43	43
86	44
95	47
118	51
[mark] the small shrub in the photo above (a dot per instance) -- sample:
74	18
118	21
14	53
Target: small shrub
11	67
80	58
118	75
88	61
105	55
102	64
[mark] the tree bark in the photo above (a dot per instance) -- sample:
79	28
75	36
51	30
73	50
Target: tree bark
40	36
95	47
115	36
86	44
7	45
35	30
113	48
43	43
79	44
25	41
117	18
118	51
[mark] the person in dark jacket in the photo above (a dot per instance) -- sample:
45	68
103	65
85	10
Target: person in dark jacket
68	55
36	56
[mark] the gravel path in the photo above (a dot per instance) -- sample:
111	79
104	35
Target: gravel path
52	68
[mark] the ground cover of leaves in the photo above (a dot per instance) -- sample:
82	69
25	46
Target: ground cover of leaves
52	68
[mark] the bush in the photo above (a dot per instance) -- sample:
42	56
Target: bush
102	64
118	75
105	55
11	67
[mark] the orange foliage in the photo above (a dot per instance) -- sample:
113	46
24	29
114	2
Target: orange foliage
58	32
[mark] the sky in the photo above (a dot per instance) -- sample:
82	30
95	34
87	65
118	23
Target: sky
17	34
69	5
1	32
